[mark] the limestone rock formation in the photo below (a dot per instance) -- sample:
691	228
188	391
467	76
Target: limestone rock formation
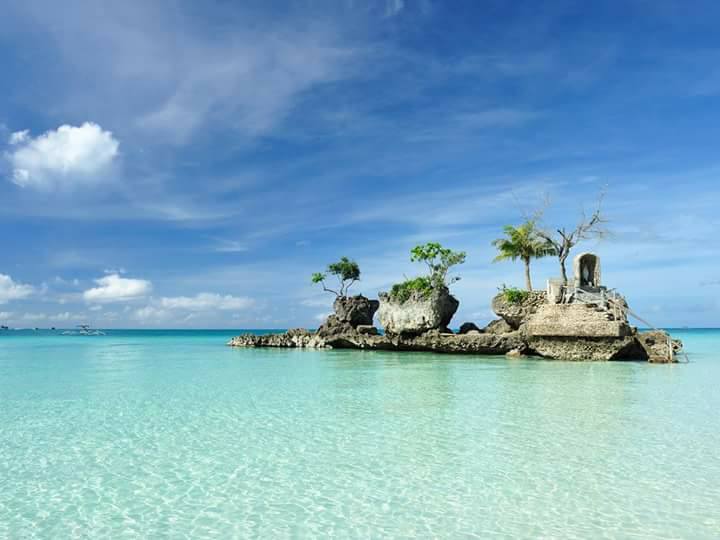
469	327
657	346
294	338
351	312
576	320
432	341
355	310
499	326
367	330
515	313
585	349
418	314
593	332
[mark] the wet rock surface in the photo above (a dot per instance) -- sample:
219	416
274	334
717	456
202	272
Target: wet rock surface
433	341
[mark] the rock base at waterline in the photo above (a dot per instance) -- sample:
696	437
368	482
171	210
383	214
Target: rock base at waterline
472	343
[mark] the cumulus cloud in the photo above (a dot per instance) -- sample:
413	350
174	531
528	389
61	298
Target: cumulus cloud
113	288
67	157
185	308
10	290
206	302
19	137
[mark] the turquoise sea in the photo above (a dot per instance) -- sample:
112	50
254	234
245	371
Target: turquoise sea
151	434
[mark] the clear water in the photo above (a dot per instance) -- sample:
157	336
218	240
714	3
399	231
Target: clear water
147	434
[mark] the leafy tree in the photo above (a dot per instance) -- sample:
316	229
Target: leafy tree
347	272
523	243
439	260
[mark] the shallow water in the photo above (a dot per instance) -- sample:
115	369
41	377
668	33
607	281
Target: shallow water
174	435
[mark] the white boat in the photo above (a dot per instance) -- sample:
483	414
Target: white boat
83	330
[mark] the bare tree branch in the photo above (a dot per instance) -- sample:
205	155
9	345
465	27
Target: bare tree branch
586	229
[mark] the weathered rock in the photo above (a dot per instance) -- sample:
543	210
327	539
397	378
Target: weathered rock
586	349
658	346
515	353
333	326
579	332
499	326
367	330
575	320
433	341
472	343
294	338
418	314
516	313
468	327
355	310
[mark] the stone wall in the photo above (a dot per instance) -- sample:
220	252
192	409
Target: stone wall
575	320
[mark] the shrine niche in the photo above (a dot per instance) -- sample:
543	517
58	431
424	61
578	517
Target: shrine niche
586	268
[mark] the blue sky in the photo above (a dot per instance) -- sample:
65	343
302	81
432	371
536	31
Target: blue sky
190	164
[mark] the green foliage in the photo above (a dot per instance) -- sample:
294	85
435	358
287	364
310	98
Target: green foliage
439	261
347	272
401	292
345	269
513	295
523	243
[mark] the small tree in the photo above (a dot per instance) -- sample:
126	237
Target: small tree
523	243
439	260
347	272
563	239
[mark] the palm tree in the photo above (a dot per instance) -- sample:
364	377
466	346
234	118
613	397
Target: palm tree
523	243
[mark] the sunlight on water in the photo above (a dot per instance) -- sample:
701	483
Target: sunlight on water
176	435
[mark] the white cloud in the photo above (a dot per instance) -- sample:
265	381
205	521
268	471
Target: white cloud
206	302
65	316
10	290
4	315
185	308
34	317
150	313
113	288
19	137
230	246
63	158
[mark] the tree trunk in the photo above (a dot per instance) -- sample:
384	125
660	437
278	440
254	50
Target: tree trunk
562	270
528	281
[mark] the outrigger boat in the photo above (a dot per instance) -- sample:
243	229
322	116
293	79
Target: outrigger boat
84	330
